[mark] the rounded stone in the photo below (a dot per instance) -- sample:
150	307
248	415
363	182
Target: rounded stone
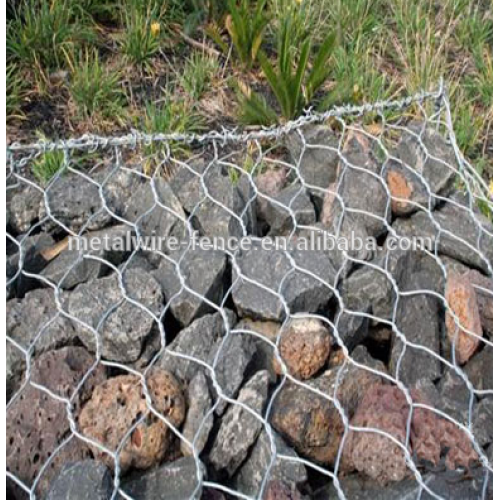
118	404
304	347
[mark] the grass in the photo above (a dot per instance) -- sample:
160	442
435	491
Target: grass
383	49
48	165
44	35
95	90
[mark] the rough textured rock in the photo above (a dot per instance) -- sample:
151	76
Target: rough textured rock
289	208
117	404
304	347
359	174
269	183
250	477
479	369
37	423
231	358
314	150
459	234
156	212
271	269
85	480
352	328
197	341
417	319
74	202
314	427
483	287
33	319
108	244
482	422
462	299
240	428
277	490
454	396
421	155
124	331
119	185
203	271
226	209
178	480
373	454
199	418
24	209
33	250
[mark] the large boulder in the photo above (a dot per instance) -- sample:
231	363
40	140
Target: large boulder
38	423
100	307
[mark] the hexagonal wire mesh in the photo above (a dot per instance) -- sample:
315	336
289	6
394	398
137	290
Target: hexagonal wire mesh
276	370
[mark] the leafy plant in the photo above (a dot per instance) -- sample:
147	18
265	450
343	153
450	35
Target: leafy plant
95	90
45	34
142	34
292	83
14	92
171	117
203	11
198	72
246	25
48	165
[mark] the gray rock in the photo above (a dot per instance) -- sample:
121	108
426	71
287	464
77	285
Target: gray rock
428	166
122	326
108	244
187	183
359	174
177	480
231	356
197	341
157	213
199	419
482	422
289	208
479	370
24	209
459	235
454	396
203	271
352	328
240	428
74	202
250	477
119	186
224	211
85	480
273	270
417	319
33	321
314	150
449	484
29	258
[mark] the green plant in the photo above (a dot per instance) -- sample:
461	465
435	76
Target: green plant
15	90
197	12
170	117
198	71
47	165
292	83
95	90
246	26
45	34
142	35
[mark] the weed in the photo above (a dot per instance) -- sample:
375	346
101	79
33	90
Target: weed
47	165
15	90
292	84
246	25
203	11
198	71
95	90
44	35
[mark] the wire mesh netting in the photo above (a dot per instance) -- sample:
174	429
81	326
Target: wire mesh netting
295	312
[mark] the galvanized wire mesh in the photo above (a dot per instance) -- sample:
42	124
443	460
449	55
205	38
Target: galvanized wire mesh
147	160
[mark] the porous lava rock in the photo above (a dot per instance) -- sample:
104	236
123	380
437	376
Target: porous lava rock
116	406
304	347
37	423
462	300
